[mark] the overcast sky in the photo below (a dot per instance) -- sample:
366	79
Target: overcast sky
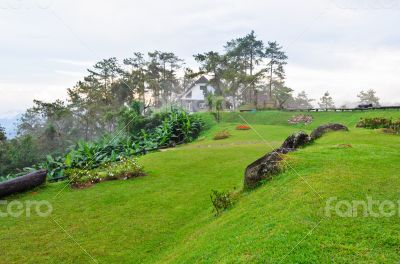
336	45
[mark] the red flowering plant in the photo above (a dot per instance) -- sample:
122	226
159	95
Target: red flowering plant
242	127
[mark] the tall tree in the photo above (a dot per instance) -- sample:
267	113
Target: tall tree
106	70
247	52
277	59
136	75
50	123
368	97
234	80
189	78
281	93
326	101
302	101
163	67
214	64
2	134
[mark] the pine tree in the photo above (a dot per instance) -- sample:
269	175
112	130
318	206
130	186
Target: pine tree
277	59
326	101
369	97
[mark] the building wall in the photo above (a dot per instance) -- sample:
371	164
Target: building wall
197	93
194	100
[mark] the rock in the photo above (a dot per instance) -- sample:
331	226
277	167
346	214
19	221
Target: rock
319	131
267	166
262	169
296	140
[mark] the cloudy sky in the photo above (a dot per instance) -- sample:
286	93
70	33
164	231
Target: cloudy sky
336	45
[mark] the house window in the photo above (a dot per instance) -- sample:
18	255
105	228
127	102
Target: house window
204	89
189	94
202	105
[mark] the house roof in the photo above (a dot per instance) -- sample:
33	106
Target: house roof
202	79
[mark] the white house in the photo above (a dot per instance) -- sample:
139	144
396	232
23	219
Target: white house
194	99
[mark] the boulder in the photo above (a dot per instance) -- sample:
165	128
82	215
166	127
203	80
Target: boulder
319	131
267	166
263	168
296	140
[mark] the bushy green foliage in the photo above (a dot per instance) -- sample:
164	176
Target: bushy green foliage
265	224
123	169
380	122
12	176
177	127
17	154
132	121
2	133
220	200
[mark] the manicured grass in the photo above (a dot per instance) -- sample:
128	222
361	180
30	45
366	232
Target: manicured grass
167	216
281	117
266	224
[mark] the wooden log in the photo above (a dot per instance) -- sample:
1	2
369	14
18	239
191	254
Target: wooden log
22	183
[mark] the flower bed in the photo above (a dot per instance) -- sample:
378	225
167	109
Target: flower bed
121	170
242	127
222	135
306	119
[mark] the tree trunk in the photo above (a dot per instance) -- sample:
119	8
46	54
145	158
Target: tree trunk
270	83
23	183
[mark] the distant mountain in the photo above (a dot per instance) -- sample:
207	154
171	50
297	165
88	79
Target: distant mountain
9	123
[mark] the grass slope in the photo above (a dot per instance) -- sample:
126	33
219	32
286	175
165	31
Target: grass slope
166	216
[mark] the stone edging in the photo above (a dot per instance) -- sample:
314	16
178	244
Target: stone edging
267	166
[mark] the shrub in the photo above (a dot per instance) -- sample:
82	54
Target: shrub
174	127
123	169
374	123
25	171
221	201
242	127
396	125
222	135
380	122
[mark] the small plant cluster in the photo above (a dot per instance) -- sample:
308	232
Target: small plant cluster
221	201
123	169
222	135
380	122
177	127
12	176
306	119
242	127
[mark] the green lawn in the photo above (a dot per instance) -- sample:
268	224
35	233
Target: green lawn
166	216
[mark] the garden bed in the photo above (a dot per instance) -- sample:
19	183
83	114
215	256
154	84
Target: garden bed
121	170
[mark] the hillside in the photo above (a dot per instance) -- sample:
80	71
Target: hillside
166	216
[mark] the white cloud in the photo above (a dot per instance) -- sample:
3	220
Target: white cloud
78	75
329	47
73	62
16	97
352	72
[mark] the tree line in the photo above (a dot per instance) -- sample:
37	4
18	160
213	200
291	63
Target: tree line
249	71
246	71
